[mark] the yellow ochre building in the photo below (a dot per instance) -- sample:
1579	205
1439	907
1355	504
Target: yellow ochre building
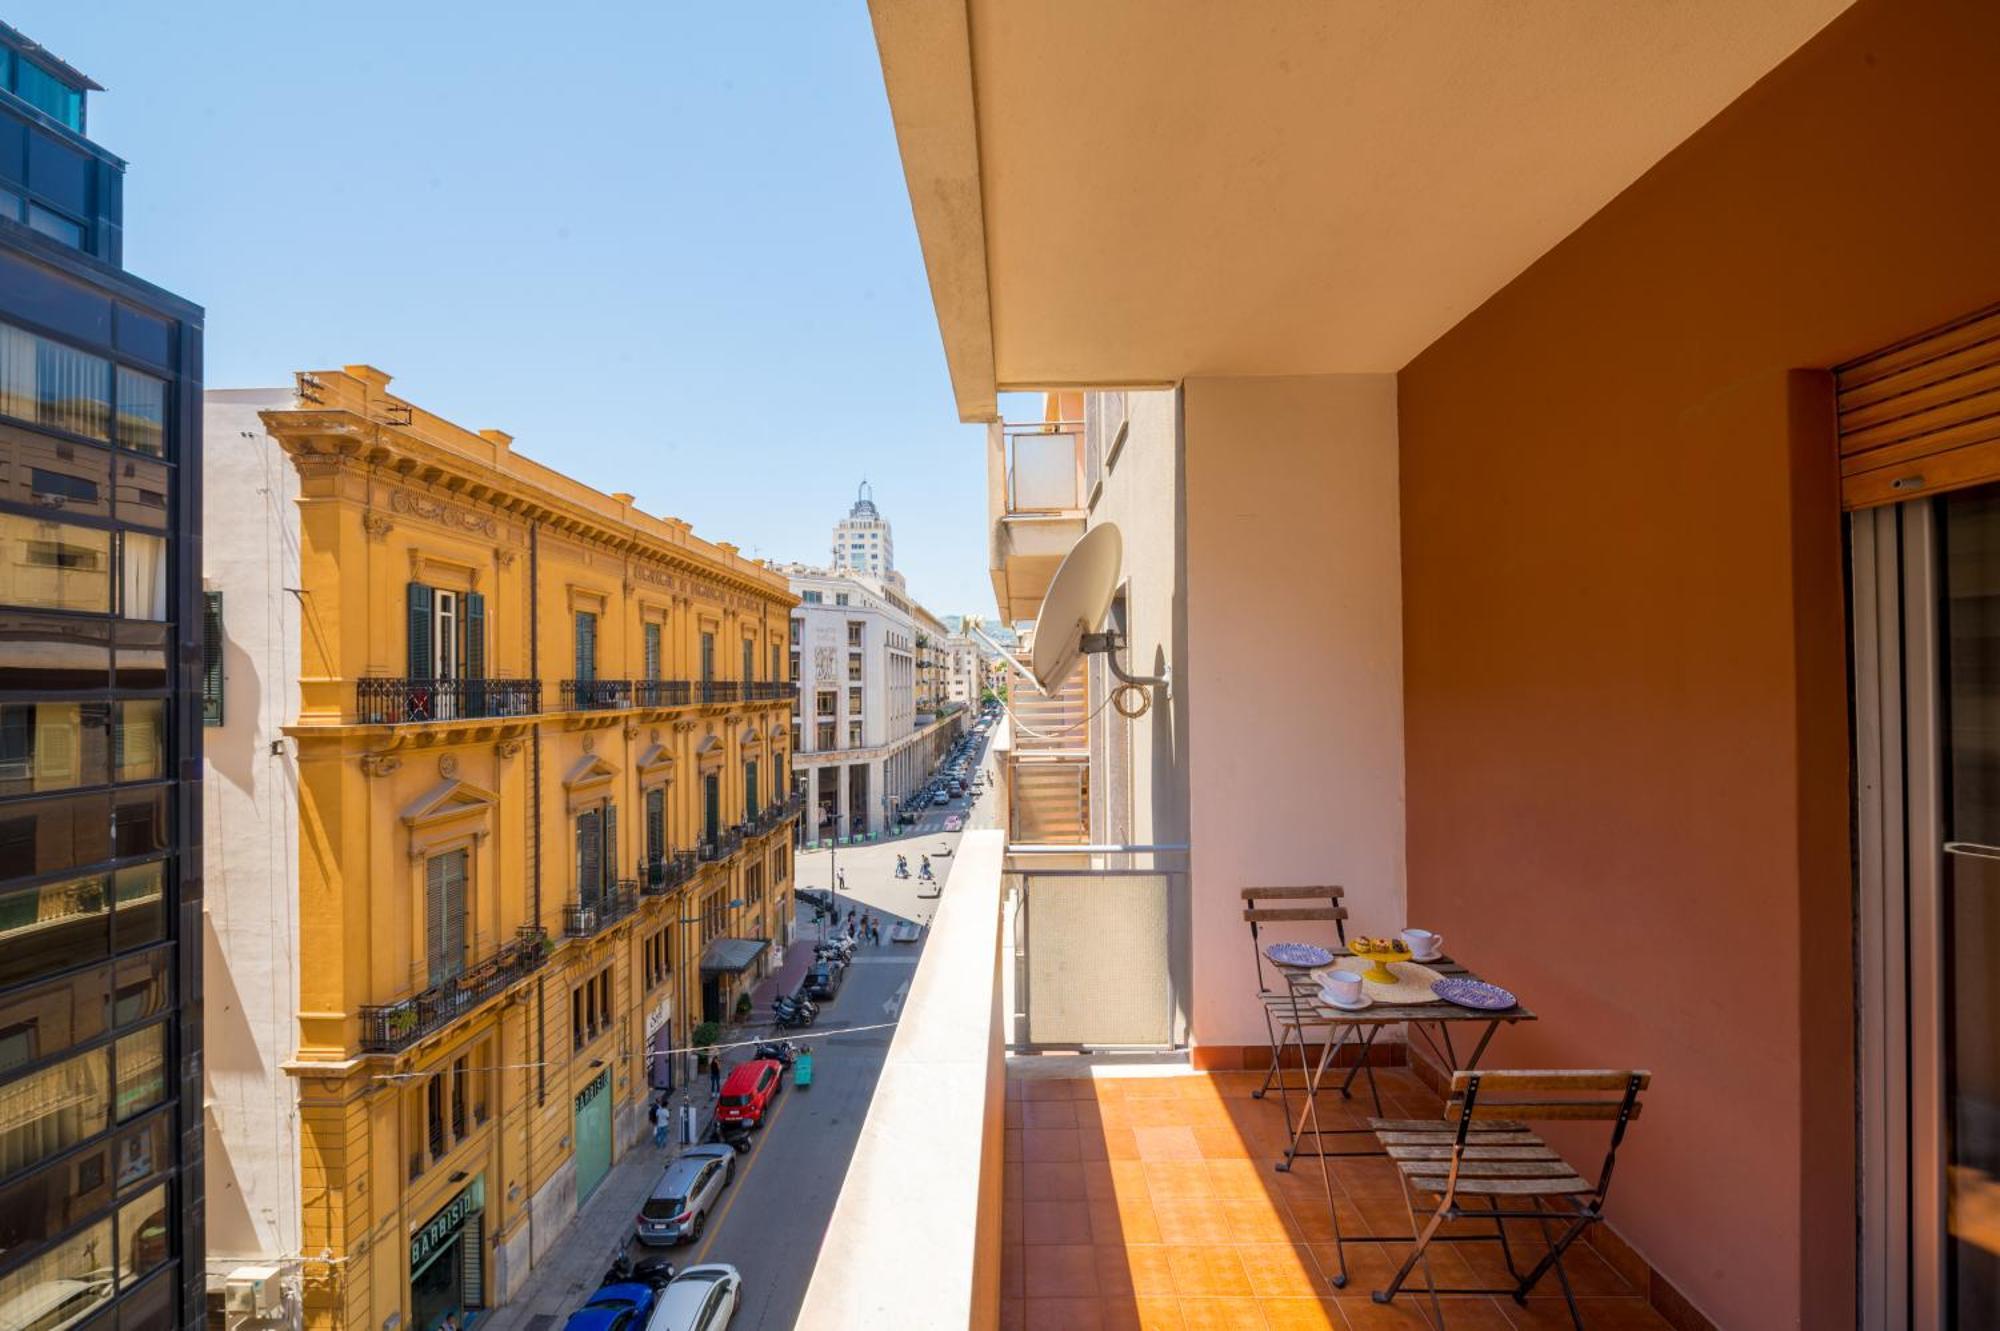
532	817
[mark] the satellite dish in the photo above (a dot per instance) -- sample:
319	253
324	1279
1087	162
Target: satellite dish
1078	598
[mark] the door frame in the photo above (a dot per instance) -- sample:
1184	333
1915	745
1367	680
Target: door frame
1899	932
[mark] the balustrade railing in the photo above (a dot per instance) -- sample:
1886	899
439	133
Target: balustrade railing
716	690
595	695
394	701
601	910
666	873
725	843
660	693
391	1027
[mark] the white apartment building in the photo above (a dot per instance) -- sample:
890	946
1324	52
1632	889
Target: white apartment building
860	746
966	670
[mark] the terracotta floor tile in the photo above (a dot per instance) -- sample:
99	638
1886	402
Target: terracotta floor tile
1282	1270
1241	1178
1633	1314
1016	1088
1064	1314
1052	1181
1258	1220
1302	1314
1011	1114
1154	1088
1158	1113
1048	1114
1228	1142
1143	1313
1123	1220
1010	1220
1087	1113
1165	1144
1408	1314
1055	1222
1013	1314
1108	1179
1066	1270
1119	1143
1045	1088
1013	1271
1369	1267
1191	1222
1174	1179
1222	1315
1050	1144
1207	1270
1134	1269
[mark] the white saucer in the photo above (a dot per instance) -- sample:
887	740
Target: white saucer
1433	956
1331	1001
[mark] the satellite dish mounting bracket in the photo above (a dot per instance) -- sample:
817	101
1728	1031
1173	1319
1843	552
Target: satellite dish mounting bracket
1106	644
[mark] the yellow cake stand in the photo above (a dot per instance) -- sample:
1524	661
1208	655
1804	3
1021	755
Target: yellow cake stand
1378	954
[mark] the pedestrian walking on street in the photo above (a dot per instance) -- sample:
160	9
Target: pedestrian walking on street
660	1117
714	1075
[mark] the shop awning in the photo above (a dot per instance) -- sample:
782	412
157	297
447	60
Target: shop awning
731	956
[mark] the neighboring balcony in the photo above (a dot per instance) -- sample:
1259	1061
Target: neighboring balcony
769	817
586	919
596	695
396	702
716	691
770	690
394	1027
662	875
661	693
1036	505
721	847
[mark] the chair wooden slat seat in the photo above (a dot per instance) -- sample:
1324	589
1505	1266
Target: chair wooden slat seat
1483	1148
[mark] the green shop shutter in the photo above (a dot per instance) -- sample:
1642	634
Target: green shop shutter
421	653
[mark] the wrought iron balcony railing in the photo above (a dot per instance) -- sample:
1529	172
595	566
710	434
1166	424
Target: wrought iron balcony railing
601	910
379	701
716	690
393	1027
725	843
657	876
770	690
596	695
660	693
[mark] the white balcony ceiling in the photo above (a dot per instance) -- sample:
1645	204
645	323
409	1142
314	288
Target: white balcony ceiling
1125	192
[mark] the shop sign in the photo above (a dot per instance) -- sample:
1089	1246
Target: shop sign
597	1086
447	1222
658	1017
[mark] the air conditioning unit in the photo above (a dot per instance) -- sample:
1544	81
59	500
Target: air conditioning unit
256	1290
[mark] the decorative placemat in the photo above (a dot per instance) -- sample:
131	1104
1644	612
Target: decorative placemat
1413	984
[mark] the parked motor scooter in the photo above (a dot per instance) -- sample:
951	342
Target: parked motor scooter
779	1051
657	1272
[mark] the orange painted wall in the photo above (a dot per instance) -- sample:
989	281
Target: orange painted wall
1624	631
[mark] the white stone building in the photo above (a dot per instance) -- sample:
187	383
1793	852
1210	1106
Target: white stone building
860	746
863	543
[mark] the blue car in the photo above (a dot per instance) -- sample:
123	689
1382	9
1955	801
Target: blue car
622	1307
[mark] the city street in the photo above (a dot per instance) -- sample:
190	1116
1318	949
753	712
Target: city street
769	1223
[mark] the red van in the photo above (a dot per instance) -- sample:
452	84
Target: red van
747	1093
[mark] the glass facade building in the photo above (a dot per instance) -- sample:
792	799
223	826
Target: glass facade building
100	740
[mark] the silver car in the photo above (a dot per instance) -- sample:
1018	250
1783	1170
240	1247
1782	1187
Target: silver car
701	1298
677	1209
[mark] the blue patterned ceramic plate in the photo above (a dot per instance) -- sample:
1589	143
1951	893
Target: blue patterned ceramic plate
1298	954
1473	993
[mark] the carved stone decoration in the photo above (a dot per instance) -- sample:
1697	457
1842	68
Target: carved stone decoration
379	764
448	515
655	736
631	732
507	748
376	526
590	743
682	727
503	556
448	765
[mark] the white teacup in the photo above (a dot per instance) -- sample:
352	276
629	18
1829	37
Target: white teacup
1423	943
1344	986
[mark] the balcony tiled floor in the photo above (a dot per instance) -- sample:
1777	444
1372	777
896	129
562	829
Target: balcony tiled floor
1150	1201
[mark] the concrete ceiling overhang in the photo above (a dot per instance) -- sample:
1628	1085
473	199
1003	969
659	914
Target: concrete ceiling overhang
1129	192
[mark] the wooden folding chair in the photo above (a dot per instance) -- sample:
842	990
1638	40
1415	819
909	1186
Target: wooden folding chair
1483	1149
1287	1018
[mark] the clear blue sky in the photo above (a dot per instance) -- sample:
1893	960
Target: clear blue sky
666	245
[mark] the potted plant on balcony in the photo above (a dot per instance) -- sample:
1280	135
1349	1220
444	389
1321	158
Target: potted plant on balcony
743	1007
402	1021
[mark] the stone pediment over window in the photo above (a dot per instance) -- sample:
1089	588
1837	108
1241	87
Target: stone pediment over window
657	761
588	781
447	812
751	739
709	752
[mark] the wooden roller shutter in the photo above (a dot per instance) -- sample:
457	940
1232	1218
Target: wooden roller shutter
1922	417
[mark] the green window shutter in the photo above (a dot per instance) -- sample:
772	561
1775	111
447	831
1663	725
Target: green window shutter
749	659
656	823
586	645
711	799
707	657
444	915
474	654
652	651
610	843
589	856
211	658
750	804
421	654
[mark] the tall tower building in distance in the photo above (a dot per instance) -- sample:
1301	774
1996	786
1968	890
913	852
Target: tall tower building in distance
861	540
